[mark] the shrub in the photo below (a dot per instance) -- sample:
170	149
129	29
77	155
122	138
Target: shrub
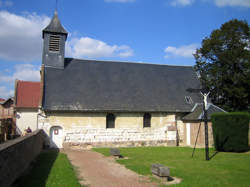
230	131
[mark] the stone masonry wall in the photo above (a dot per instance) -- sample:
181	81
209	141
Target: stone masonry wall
16	155
89	129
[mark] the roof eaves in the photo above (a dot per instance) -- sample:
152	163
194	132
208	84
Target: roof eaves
217	107
118	110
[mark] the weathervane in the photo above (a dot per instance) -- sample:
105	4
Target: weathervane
56	4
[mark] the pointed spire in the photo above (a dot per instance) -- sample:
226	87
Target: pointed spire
55	26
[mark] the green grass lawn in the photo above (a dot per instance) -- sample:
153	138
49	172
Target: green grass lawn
224	169
51	169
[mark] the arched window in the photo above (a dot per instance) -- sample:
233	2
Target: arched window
147	120
110	121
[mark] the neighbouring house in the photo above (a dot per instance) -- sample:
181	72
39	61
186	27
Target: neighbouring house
27	98
7	120
105	103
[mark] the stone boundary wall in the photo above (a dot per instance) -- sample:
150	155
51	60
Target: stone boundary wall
16	155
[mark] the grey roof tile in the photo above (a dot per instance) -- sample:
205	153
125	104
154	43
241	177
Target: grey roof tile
88	85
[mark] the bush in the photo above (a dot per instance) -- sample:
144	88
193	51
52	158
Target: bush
230	131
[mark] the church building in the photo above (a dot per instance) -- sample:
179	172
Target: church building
92	103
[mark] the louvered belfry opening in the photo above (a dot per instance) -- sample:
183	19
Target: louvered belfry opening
54	43
147	120
110	121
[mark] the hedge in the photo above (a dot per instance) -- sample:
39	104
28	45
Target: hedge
230	131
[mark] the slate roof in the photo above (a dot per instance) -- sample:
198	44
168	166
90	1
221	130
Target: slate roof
27	94
88	85
197	113
55	26
2	100
7	100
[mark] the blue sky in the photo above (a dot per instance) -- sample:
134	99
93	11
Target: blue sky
148	31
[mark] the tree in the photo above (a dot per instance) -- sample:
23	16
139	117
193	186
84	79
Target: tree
223	63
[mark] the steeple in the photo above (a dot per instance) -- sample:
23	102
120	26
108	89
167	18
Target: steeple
55	26
54	38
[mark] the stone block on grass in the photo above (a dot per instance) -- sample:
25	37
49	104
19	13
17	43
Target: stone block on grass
160	170
115	152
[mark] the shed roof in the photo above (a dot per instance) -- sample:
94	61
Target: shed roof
27	94
197	112
89	85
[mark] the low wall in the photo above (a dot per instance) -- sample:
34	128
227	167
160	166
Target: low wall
16	155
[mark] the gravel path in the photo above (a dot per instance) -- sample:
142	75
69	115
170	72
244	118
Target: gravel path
95	170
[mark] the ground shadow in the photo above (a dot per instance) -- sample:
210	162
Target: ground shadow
220	147
213	155
39	170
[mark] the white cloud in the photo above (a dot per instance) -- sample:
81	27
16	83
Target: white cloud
21	36
92	48
222	3
5	93
21	40
6	3
181	2
183	51
27	72
120	1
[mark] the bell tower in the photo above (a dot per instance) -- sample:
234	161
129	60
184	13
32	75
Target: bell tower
54	38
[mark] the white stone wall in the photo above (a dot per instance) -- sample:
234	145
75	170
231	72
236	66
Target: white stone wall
26	118
90	128
89	135
181	132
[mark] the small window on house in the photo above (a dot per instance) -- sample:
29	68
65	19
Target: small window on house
147	120
54	43
188	100
110	121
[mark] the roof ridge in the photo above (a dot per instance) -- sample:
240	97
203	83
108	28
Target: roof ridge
128	62
29	81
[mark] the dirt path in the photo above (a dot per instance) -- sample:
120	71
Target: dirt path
99	171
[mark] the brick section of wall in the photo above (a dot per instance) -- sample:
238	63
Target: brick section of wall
16	155
201	137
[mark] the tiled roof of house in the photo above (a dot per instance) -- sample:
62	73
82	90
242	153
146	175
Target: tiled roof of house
88	85
1	100
27	94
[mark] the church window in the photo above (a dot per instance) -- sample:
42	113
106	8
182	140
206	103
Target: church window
110	121
54	43
147	120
